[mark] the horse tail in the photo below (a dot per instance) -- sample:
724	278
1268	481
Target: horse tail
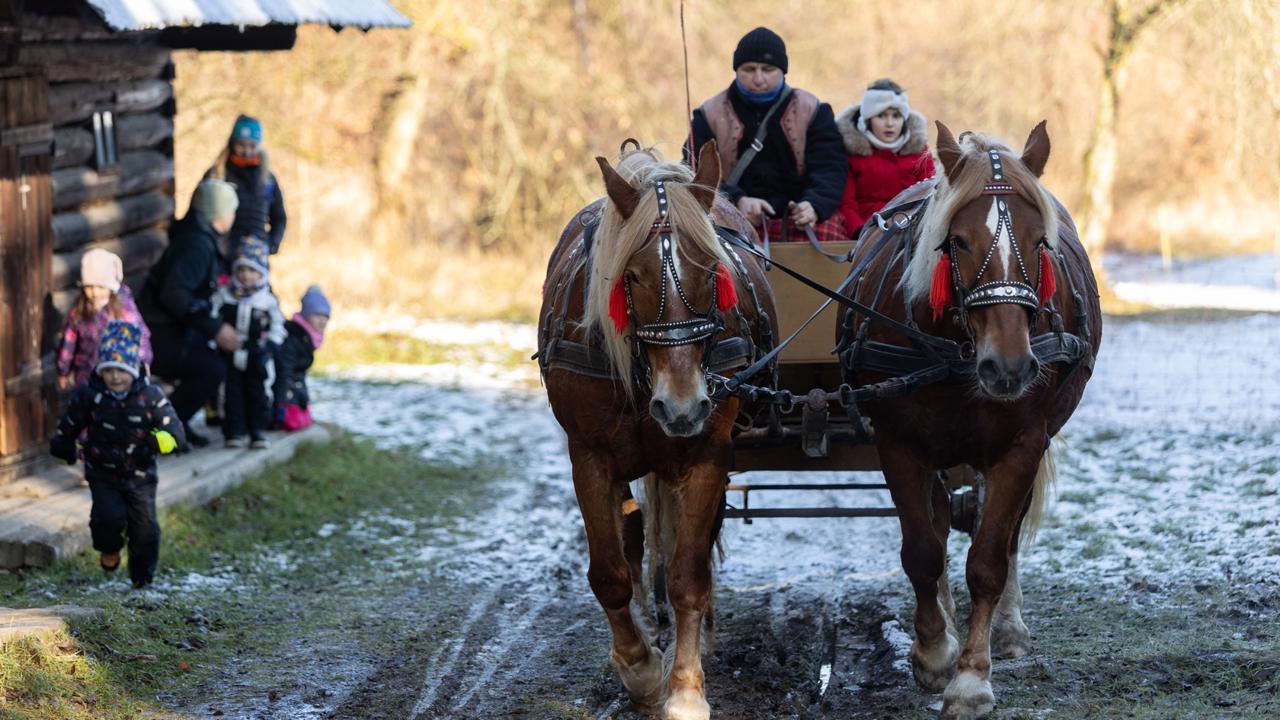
1041	490
659	531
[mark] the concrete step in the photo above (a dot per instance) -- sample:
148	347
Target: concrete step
40	530
20	623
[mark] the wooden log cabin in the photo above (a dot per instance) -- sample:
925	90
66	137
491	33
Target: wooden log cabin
87	161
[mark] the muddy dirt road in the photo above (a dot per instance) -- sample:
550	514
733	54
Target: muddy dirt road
1153	591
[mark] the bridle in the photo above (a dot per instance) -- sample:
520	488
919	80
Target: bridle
996	292
701	327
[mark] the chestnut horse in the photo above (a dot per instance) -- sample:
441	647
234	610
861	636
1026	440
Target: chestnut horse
997	269
625	366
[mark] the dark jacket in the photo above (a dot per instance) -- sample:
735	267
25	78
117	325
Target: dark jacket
773	175
119	444
261	210
293	360
175	298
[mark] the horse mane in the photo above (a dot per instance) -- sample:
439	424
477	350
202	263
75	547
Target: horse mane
953	194
618	239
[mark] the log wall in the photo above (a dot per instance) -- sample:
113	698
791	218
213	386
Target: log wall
126	208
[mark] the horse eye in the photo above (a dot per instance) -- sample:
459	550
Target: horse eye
958	243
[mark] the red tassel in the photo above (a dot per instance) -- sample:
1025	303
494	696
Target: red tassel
1048	284
618	306
726	292
940	289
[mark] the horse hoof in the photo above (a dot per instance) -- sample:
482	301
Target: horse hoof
687	704
933	667
643	680
968	697
1010	642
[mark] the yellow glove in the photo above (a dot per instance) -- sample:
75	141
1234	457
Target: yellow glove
163	441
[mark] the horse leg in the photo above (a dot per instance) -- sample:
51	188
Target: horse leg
941	511
1009	483
638	662
1010	637
934	652
689	588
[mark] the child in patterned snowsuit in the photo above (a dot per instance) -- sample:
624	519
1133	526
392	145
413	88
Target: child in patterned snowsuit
247	304
129	422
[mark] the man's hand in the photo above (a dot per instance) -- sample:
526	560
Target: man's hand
753	208
227	339
802	213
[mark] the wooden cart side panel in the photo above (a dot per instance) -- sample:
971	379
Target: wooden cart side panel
796	302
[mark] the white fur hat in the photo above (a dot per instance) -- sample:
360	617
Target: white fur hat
101	268
876	101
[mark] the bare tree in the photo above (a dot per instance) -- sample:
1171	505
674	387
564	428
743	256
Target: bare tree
1128	24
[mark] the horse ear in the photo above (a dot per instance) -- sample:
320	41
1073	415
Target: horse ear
621	194
707	182
1036	152
949	152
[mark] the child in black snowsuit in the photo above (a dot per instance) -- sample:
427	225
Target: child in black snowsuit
305	333
129	422
247	304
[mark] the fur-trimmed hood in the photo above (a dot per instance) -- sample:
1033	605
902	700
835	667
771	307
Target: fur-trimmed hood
857	144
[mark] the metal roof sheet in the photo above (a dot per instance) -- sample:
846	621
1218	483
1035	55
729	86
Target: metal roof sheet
157	14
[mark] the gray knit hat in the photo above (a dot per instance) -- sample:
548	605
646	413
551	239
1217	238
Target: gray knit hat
215	200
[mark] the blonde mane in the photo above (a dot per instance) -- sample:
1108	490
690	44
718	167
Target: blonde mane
618	239
950	196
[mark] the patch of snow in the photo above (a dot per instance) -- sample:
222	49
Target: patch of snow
901	643
1244	282
514	335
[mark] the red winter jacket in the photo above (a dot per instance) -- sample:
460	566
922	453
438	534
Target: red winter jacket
876	176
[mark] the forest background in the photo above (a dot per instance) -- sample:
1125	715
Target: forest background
431	170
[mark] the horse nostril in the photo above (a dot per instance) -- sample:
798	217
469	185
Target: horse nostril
1030	369
704	409
988	371
658	409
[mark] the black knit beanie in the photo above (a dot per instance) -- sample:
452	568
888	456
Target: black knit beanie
761	45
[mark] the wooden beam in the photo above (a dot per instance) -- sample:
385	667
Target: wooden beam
138	171
95	62
86	25
74	145
76	228
138	251
72	102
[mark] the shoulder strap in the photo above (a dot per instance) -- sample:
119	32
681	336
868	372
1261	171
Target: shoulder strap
757	142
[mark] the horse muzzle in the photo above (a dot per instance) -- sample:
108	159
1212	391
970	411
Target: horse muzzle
1007	379
681	418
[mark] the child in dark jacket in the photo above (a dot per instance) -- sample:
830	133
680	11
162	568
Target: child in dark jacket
304	334
129	422
248	305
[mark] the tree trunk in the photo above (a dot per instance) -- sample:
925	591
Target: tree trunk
402	117
1102	153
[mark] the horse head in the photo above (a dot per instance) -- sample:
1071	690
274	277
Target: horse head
660	283
989	256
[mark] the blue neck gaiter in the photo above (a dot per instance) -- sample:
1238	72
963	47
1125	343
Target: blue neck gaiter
756	98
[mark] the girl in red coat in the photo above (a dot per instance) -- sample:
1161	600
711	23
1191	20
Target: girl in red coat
888	148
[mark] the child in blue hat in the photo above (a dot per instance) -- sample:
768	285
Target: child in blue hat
305	333
130	422
248	305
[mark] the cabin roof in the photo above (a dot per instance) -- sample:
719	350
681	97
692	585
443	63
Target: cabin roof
133	15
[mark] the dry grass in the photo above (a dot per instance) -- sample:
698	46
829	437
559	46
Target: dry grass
432	169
